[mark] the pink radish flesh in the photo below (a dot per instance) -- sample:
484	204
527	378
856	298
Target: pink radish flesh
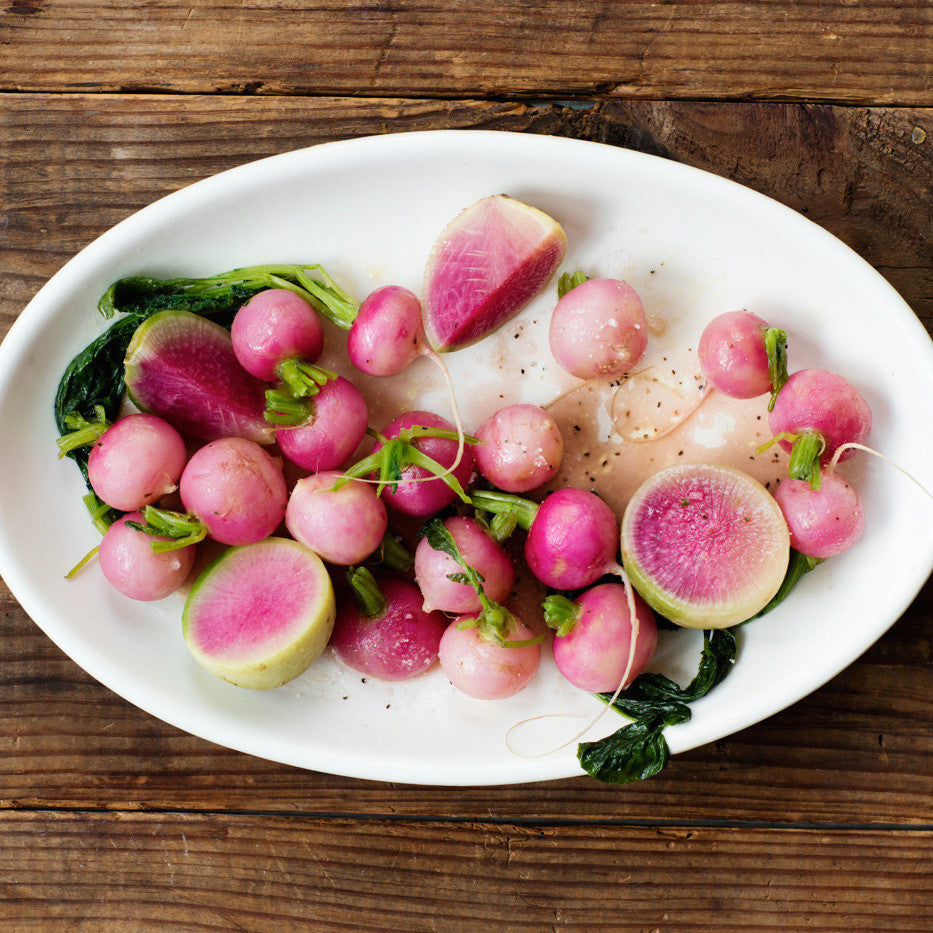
273	326
480	552
706	546
823	522
181	367
334	431
487	264
598	329
260	614
343	525
236	489
520	448
136	461
131	566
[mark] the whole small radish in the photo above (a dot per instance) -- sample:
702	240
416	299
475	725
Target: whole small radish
594	637
383	632
387	333
822	522
335	424
133	462
484	668
434	569
520	448
815	413
130	565
343	525
233	491
598	328
742	356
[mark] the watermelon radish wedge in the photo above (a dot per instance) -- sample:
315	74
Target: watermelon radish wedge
487	264
705	546
260	614
181	367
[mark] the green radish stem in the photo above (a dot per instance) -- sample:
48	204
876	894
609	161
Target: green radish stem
560	614
78	567
182	528
569	281
394	554
301	380
805	454
776	348
83	432
508	511
369	597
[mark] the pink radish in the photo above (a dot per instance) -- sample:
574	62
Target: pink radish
385	633
483	668
822	522
434	569
741	356
520	448
594	635
815	413
130	565
486	265
343	525
336	423
260	614
598	329
387	333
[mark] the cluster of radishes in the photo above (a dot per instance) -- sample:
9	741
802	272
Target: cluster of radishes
815	414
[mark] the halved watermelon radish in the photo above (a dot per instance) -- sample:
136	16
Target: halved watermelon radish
706	546
182	367
487	264
260	614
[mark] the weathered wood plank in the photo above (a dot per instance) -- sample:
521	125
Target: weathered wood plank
827	50
210	872
858	751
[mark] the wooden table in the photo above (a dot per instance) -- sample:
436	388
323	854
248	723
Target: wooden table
820	818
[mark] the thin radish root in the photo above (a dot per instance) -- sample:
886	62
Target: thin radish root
852	445
455	410
633	617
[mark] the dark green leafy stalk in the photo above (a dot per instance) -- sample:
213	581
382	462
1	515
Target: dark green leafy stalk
639	750
523	511
798	565
569	281
776	348
369	598
804	460
181	528
494	620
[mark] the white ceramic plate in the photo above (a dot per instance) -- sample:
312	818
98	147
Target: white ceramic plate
693	244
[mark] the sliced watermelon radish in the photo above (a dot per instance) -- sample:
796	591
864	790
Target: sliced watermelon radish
261	613
488	263
182	367
706	546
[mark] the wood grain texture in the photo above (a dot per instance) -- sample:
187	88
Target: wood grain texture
857	51
222	872
858	751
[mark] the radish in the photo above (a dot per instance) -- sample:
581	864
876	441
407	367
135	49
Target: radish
130	565
343	525
814	414
572	535
232	490
420	462
385	633
742	356
486	265
520	448
705	546
387	333
182	367
597	328
438	574
594	634
822	522
482	667
260	614
133	462
332	425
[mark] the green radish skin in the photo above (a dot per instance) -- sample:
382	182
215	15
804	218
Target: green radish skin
260	614
706	546
181	367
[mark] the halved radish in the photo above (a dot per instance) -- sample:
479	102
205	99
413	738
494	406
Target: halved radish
261	613
706	546
488	263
